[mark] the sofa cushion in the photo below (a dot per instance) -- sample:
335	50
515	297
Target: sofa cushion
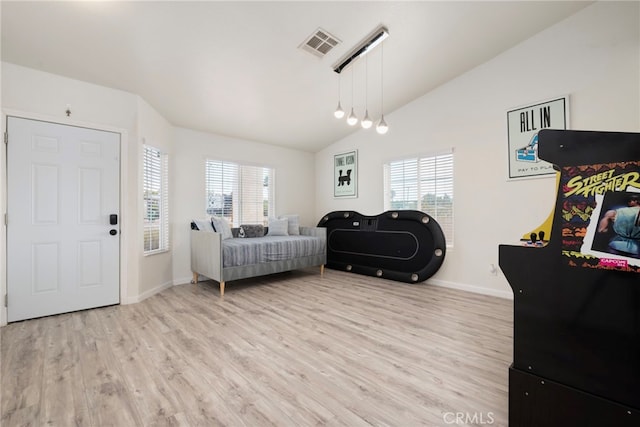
278	227
293	224
203	224
251	230
221	226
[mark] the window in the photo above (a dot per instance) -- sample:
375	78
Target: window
424	184
156	200
242	194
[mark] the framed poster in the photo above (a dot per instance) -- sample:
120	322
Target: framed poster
523	125
345	174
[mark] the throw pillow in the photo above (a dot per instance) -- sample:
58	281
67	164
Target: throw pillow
203	224
293	224
278	227
222	226
252	230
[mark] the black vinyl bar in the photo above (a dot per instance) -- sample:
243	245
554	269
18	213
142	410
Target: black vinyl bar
380	35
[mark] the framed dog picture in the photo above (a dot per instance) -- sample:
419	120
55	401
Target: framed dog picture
345	174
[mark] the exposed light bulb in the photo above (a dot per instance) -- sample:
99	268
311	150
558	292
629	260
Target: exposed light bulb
339	113
382	127
352	119
366	122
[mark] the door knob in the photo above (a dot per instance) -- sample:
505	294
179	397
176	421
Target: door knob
113	232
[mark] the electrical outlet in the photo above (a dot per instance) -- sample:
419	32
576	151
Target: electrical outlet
493	270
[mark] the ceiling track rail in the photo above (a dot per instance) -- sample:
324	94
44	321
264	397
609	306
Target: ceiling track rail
371	41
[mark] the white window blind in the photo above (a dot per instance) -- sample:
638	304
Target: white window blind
240	193
156	200
424	184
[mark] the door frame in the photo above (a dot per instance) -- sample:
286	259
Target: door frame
124	209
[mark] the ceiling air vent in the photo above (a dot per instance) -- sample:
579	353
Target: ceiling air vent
320	43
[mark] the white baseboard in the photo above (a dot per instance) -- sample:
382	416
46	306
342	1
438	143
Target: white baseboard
183	281
442	283
151	292
472	288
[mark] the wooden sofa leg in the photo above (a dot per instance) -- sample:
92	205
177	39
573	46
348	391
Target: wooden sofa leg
322	270
195	278
221	289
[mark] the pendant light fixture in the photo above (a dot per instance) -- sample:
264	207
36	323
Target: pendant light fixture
366	121
352	119
382	126
348	61
339	113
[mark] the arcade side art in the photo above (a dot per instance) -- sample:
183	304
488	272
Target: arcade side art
601	216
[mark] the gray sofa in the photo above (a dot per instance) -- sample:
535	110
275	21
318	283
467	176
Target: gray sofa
237	258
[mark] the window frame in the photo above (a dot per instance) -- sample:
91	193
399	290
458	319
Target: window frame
238	210
158	182
446	221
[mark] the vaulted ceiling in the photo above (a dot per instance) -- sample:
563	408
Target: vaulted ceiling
237	69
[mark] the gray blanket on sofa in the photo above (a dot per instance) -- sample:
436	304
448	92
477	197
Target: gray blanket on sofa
248	251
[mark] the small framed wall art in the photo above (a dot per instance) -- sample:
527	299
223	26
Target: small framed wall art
345	174
523	125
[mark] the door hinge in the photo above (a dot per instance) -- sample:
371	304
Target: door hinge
6	219
6	137
6	300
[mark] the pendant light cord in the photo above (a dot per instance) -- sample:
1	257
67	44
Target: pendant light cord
366	82
353	70
381	78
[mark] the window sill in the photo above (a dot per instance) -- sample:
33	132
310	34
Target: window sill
156	252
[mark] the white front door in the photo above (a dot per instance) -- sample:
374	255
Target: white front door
63	252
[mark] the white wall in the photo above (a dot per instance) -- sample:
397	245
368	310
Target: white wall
294	179
34	94
592	56
3	208
156	270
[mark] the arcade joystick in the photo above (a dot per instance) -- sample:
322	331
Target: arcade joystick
541	241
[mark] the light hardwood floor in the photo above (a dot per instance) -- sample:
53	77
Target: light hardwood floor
291	349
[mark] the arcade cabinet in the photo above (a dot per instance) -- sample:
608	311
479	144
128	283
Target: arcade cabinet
576	340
